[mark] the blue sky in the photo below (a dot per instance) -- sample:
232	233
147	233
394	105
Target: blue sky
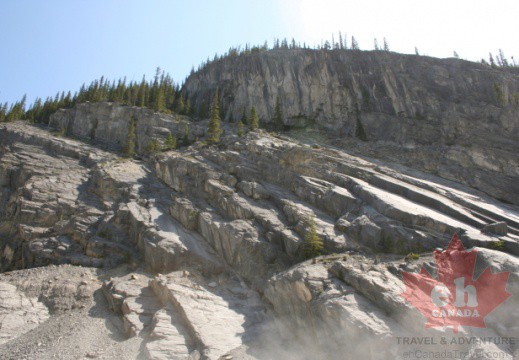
53	45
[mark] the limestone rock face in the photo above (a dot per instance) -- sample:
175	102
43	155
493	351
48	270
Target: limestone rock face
434	114
199	251
343	300
109	123
498	228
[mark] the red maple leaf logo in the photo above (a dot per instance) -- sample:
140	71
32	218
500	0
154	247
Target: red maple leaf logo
455	298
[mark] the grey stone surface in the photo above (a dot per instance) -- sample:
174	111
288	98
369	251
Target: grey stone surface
108	123
211	239
440	115
217	317
18	313
497	228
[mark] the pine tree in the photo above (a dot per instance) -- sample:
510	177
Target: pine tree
386	46
159	100
491	59
171	142
17	110
34	112
154	87
313	243
147	96
9	113
278	116
116	93
153	147
354	43
244	119
141	95
181	107
254	119
326	45
68	100
213	129
501	58
129	147
21	107
241	130
3	112
130	95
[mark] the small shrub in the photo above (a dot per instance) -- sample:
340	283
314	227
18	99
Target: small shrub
241	131
153	147
129	146
412	257
313	243
170	143
497	245
254	119
214	130
193	215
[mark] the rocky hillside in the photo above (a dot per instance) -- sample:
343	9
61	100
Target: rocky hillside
197	253
454	118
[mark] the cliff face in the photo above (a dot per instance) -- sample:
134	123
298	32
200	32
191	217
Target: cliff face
109	123
448	116
201	248
393	90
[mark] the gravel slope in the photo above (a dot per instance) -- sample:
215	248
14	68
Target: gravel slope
80	327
